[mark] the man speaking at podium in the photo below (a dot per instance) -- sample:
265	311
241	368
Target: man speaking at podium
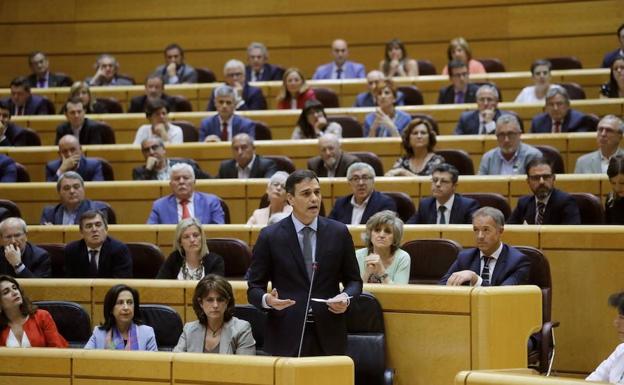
305	257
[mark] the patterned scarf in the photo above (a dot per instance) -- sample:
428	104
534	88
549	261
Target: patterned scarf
114	340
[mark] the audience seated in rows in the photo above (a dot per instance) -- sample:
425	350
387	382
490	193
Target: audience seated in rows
559	117
364	201
106	73
608	137
492	263
340	67
610	56
175	70
8	169
123	327
483	119
10	133
276	195
157	165
396	62
157	112
312	122
258	68
615	87
247	97
458	49
540	73
369	99
461	90
191	259
294	92
332	161
37	326
445	206
18	257
41	77
386	120
86	130
154	90
23	102
418	141
90	104
246	163
96	255
510	156
213	304
184	202
382	260
72	159
547	205
71	191
226	124
614	205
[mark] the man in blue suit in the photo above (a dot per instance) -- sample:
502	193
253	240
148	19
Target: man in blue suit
8	170
90	169
547	205
304	255
22	102
609	57
482	120
247	97
461	90
340	68
184	202
356	208
492	263
225	124
444	206
258	68
559	117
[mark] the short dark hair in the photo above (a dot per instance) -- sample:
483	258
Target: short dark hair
35	53
447	167
538	162
111	299
620	30
297	177
72	100
408	131
90	214
20	81
154	105
617	301
154	76
26	308
221	286
302	122
453	64
616	166
172	46
541	62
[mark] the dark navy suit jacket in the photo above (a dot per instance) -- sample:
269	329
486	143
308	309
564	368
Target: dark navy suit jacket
512	267
269	72
468	123
461	212
254	100
114	260
207	208
560	210
447	94
35	105
54	214
90	133
8	170
261	168
90	169
137	103
36	260
212	126
573	122
54	80
343	209
609	58
277	257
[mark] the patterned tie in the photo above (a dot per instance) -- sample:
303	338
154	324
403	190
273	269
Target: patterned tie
339	73
224	131
307	249
485	273
557	127
93	268
442	209
539	218
459	97
185	209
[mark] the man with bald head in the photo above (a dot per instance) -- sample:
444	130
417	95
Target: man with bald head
247	97
340	68
331	162
368	99
71	159
246	163
18	257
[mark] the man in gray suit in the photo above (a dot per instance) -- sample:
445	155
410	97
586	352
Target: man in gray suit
511	156
608	135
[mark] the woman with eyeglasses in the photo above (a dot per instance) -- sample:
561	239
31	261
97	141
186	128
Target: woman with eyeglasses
313	124
276	193
615	87
216	330
191	259
614	206
540	73
418	142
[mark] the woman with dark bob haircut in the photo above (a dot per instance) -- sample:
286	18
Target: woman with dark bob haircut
615	87
313	122
216	329
396	62
418	142
22	325
612	369
123	327
614	206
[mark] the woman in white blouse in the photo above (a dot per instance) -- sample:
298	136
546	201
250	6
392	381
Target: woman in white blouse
612	369
159	126
540	72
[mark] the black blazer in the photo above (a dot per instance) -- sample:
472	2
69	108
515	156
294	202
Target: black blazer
573	122
277	257
560	210
261	168
512	267
36	260
35	105
316	164
614	211
90	133
54	80
114	261
461	212
447	94
212	262
141	173
137	103
253	97
269	72
468	123
378	201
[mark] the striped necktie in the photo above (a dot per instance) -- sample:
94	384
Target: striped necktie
485	272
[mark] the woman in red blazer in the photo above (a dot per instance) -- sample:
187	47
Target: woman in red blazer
295	92
22	325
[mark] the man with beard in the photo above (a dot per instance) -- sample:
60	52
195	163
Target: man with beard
331	162
547	205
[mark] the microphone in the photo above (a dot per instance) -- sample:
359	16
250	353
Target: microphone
307	308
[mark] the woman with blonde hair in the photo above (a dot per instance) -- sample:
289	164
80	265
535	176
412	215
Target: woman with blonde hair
295	92
459	49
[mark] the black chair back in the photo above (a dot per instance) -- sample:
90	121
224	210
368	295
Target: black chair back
492	64
351	128
430	258
553	156
257	319
263	132
493	200
282	162
205	75
327	97
458	158
372	159
22	173
71	320
189	131
236	255
111	105
166	323
426	67
405	206
57	258
411	96
590	207
146	259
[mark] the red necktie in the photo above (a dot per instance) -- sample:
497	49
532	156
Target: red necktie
185	210
557	127
224	132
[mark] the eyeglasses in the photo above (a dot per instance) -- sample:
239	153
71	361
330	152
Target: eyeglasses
537	178
363	178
